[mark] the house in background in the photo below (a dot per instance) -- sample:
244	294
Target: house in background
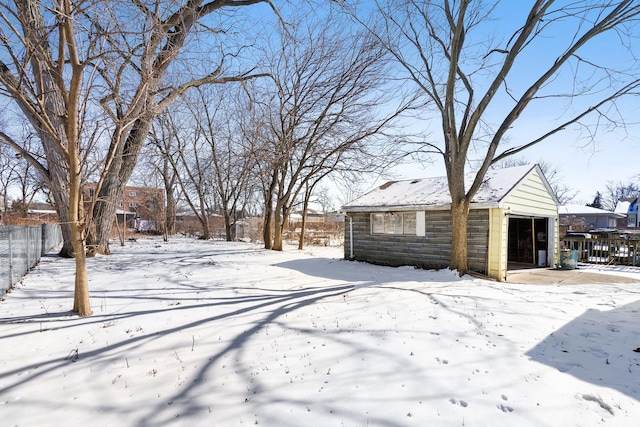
629	208
141	208
513	219
581	218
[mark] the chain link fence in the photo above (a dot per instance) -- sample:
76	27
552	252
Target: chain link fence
22	247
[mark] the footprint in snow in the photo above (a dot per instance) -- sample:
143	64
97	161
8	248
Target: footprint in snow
598	352
599	401
504	408
442	361
462	403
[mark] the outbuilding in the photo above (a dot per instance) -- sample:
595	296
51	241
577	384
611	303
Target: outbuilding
513	221
580	218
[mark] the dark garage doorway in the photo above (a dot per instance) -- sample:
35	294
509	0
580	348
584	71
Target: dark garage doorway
528	241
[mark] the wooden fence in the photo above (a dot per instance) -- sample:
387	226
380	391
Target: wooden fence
604	251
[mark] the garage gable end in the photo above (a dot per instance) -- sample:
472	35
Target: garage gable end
531	196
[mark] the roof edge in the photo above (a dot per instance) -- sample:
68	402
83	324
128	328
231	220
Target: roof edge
411	208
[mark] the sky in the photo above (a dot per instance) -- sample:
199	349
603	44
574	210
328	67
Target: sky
584	169
201	333
583	165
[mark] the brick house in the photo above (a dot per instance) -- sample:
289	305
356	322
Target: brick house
141	208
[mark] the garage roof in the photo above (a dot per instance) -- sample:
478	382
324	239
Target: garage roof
433	193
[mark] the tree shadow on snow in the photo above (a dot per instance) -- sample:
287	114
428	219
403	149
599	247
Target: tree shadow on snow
599	347
371	274
252	309
268	307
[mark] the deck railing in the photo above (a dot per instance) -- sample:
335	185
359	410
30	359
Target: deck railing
604	251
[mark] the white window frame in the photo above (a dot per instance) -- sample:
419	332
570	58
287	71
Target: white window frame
396	223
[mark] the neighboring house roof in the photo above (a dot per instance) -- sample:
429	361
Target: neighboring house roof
434	192
42	211
123	212
624	206
582	210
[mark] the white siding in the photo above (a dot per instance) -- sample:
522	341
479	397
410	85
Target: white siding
420	223
531	198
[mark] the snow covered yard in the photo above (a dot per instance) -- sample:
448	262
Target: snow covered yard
226	334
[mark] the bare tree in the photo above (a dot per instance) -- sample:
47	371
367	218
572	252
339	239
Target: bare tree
150	67
162	137
187	151
102	53
8	176
325	105
28	186
215	113
48	78
481	75
203	142
617	191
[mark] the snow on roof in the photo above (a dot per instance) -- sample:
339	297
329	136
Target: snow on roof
435	191
574	209
42	211
622	207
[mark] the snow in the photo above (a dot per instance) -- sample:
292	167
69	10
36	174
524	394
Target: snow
201	333
435	191
622	207
575	209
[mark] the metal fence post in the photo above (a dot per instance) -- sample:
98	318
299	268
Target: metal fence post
11	282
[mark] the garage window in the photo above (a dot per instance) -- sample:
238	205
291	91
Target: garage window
394	223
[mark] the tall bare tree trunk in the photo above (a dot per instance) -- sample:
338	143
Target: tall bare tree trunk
61	199
269	211
206	225
459	218
77	218
227	225
267	226
302	229
459	206
104	213
170	215
279	222
119	172
81	301
305	208
170	210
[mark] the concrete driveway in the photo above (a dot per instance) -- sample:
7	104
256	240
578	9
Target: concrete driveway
551	276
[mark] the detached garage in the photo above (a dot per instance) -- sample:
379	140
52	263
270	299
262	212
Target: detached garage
513	221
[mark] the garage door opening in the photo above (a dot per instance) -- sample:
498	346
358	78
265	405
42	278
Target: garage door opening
528	241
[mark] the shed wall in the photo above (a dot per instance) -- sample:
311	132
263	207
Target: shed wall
433	250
